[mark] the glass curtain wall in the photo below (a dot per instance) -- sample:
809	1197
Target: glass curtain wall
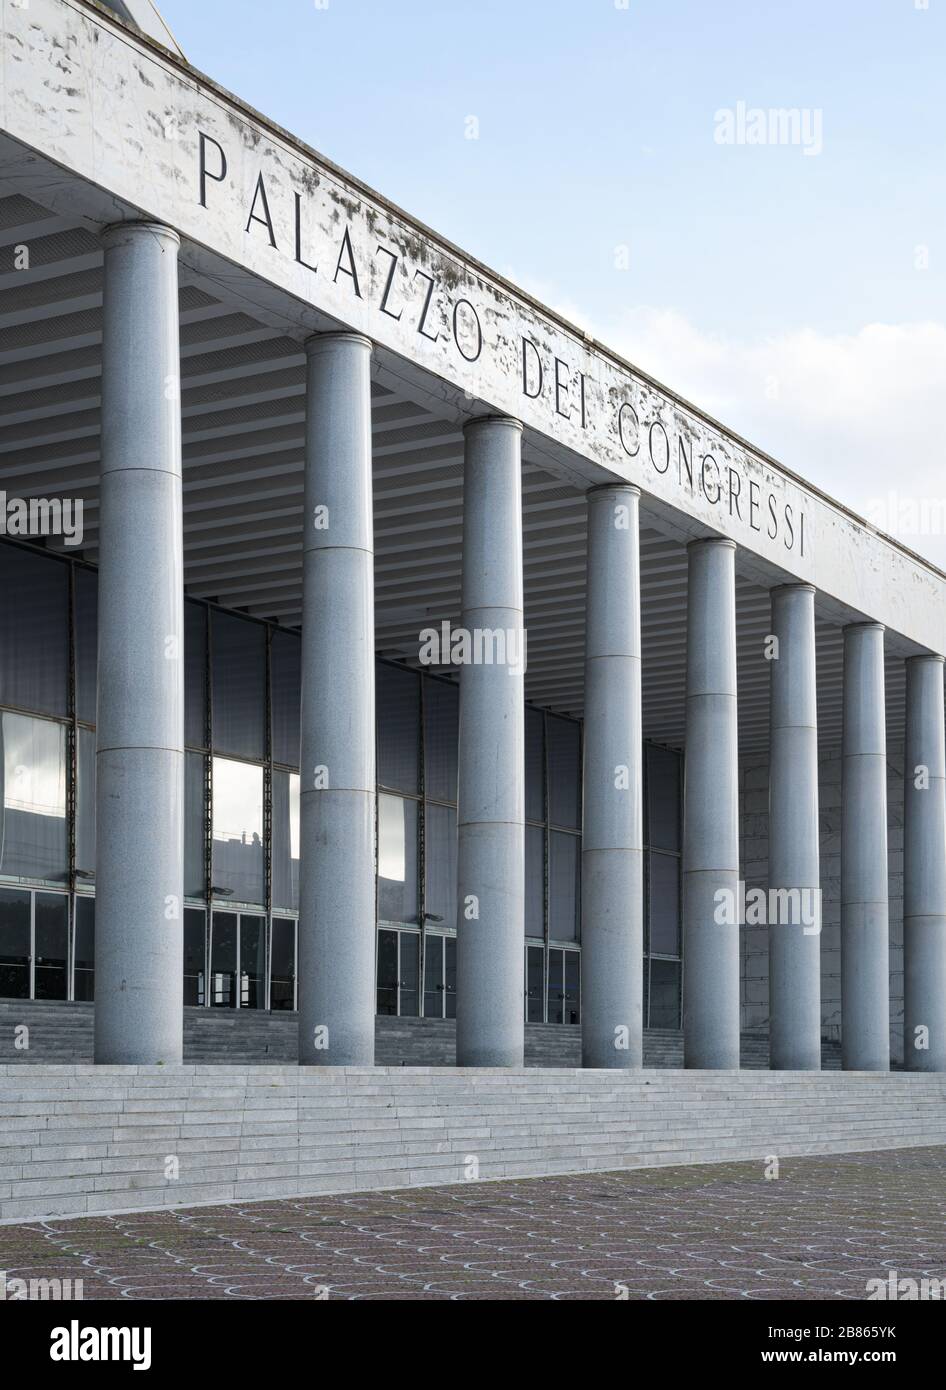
242	682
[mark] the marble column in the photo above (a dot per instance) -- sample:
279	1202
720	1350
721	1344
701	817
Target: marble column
491	796
711	812
794	867
612	929
139	872
337	928
924	868
865	962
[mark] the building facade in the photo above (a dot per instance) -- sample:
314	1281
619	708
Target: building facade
414	655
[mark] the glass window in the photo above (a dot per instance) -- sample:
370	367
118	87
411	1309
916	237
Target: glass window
195	674
85	806
195	878
535	881
663	897
535	764
410	974
535	1000
238	830
387	972
252	962
51	949
195	955
34	631
572	987
556	986
282	990
663	798
564	859
433	976
14	944
397	859
664	994
83	950
239	685
441	739
285	839
450	976
87	608
564	744
33	834
440	851
286	656
223	960
398	704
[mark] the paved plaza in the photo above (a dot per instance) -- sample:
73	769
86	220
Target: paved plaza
819	1231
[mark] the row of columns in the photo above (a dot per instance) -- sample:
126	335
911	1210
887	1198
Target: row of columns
140	753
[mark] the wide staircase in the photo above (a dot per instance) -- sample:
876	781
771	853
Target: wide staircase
82	1140
62	1032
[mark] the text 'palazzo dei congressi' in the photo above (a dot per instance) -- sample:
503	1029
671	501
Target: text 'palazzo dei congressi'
424	684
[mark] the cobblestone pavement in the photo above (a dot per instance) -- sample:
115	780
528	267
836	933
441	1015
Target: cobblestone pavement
716	1231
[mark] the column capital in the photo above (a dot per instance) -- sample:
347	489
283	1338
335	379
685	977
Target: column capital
864	627
925	656
117	232
604	489
319	340
721	541
792	588
478	420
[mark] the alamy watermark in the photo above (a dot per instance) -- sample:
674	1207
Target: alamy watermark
772	907
478	646
773	125
905	1290
15	1290
42	516
903	515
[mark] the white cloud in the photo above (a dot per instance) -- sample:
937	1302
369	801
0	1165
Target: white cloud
858	415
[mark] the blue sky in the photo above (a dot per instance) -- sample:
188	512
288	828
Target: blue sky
800	297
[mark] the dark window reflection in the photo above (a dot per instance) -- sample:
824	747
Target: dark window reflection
398	719
14	944
665	994
195	675
535	1002
387	972
33	837
410	974
239	685
664	903
51	928
84	950
441	735
34	631
87	603
450	977
223	960
252	962
286	686
282	990
195	956
433	977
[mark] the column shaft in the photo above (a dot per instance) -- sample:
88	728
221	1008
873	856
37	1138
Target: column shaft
140	722
924	869
711	813
865	965
337	789
794	874
491	805
612	932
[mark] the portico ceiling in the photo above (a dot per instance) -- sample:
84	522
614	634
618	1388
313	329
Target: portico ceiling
243	438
